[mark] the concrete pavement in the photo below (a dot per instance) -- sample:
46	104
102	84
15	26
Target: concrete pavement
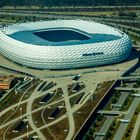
36	110
30	119
105	127
90	85
70	115
136	128
123	126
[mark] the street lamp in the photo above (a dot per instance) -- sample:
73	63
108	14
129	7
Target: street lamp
32	81
27	130
0	119
20	112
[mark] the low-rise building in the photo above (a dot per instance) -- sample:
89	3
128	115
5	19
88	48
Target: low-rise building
6	82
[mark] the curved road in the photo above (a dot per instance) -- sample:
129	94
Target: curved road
30	119
70	114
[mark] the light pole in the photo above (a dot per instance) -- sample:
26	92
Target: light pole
0	119
20	112
32	81
27	130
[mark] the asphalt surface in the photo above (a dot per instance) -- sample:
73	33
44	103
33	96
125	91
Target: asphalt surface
122	98
110	119
29	117
123	126
70	115
91	84
105	127
136	128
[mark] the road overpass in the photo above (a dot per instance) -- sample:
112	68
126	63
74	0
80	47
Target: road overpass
110	112
129	78
126	89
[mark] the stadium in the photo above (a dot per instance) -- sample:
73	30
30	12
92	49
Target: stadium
63	44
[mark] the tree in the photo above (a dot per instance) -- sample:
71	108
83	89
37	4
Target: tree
90	132
127	135
114	100
67	3
108	135
87	137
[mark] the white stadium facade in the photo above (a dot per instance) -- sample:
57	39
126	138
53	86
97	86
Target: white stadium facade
63	44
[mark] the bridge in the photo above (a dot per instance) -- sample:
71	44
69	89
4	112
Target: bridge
129	78
126	89
108	112
136	95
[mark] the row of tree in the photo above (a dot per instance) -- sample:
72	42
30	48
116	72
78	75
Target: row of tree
67	2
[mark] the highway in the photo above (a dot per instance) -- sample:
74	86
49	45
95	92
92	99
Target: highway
127	89
114	111
122	98
127	78
136	128
111	112
123	126
105	127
